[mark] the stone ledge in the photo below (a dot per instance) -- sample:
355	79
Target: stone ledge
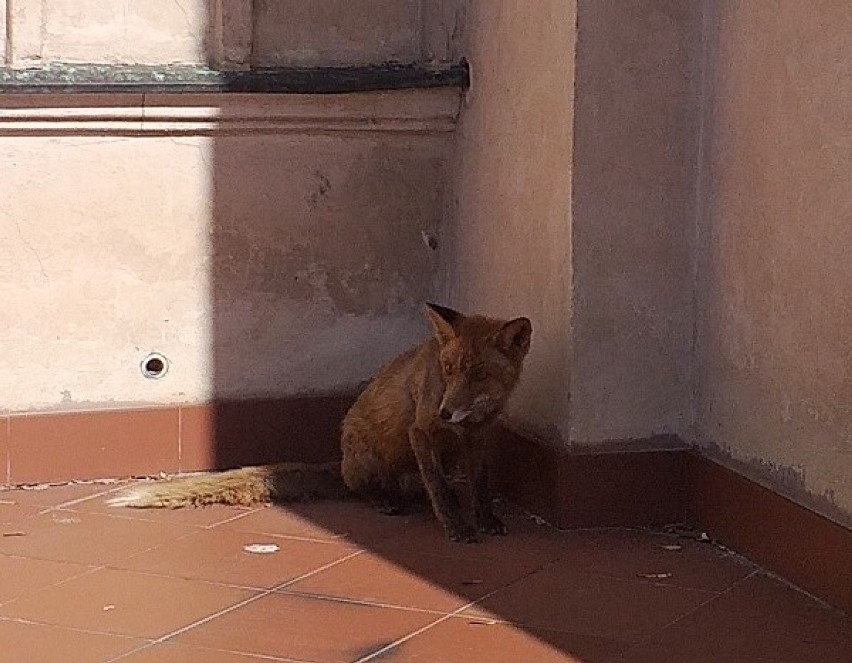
101	79
419	111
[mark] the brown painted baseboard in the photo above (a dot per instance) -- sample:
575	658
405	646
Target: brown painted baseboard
653	486
650	483
66	446
640	485
790	540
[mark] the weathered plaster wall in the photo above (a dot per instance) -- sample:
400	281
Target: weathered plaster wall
507	251
319	258
154	31
103	254
275	249
775	314
635	165
235	33
336	31
128	31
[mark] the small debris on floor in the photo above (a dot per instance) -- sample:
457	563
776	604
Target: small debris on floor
429	240
261	548
68	520
672	546
57	484
428	603
686	532
538	520
482	622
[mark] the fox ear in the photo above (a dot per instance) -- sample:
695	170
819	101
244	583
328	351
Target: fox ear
515	335
444	320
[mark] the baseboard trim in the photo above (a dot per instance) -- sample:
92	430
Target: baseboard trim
781	535
65	446
652	486
637	485
647	483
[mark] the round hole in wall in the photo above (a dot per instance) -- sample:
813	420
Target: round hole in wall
154	366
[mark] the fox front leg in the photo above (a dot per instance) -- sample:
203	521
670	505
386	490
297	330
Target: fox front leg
480	495
444	503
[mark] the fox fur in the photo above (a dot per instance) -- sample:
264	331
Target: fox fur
421	424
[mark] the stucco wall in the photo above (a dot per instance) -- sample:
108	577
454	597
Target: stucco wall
635	165
275	248
236	33
336	31
608	278
507	250
775	348
109	31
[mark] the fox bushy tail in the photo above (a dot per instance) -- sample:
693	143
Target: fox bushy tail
281	482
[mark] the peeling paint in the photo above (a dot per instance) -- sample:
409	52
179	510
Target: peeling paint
790	481
774	310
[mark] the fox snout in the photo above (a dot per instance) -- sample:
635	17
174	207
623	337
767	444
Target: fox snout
454	416
464	410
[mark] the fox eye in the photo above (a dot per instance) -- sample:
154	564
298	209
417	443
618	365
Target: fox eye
448	368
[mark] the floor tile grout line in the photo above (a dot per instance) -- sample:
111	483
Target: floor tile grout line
76	629
454	613
119	514
646	581
384	650
235	517
80	500
167	576
235	585
92	569
109	485
237	606
261	657
292	537
364	602
458	612
109	563
727	590
791	585
112	563
115	565
248	588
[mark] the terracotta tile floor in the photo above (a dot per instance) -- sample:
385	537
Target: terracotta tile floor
83	583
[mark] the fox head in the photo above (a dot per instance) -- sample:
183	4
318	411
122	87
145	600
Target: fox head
481	360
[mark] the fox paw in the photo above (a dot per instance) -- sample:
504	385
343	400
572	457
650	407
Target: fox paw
391	509
491	524
463	534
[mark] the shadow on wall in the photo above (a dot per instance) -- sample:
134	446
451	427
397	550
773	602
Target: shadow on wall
320	206
320	260
324	215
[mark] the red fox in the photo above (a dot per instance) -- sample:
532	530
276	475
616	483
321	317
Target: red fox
424	419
